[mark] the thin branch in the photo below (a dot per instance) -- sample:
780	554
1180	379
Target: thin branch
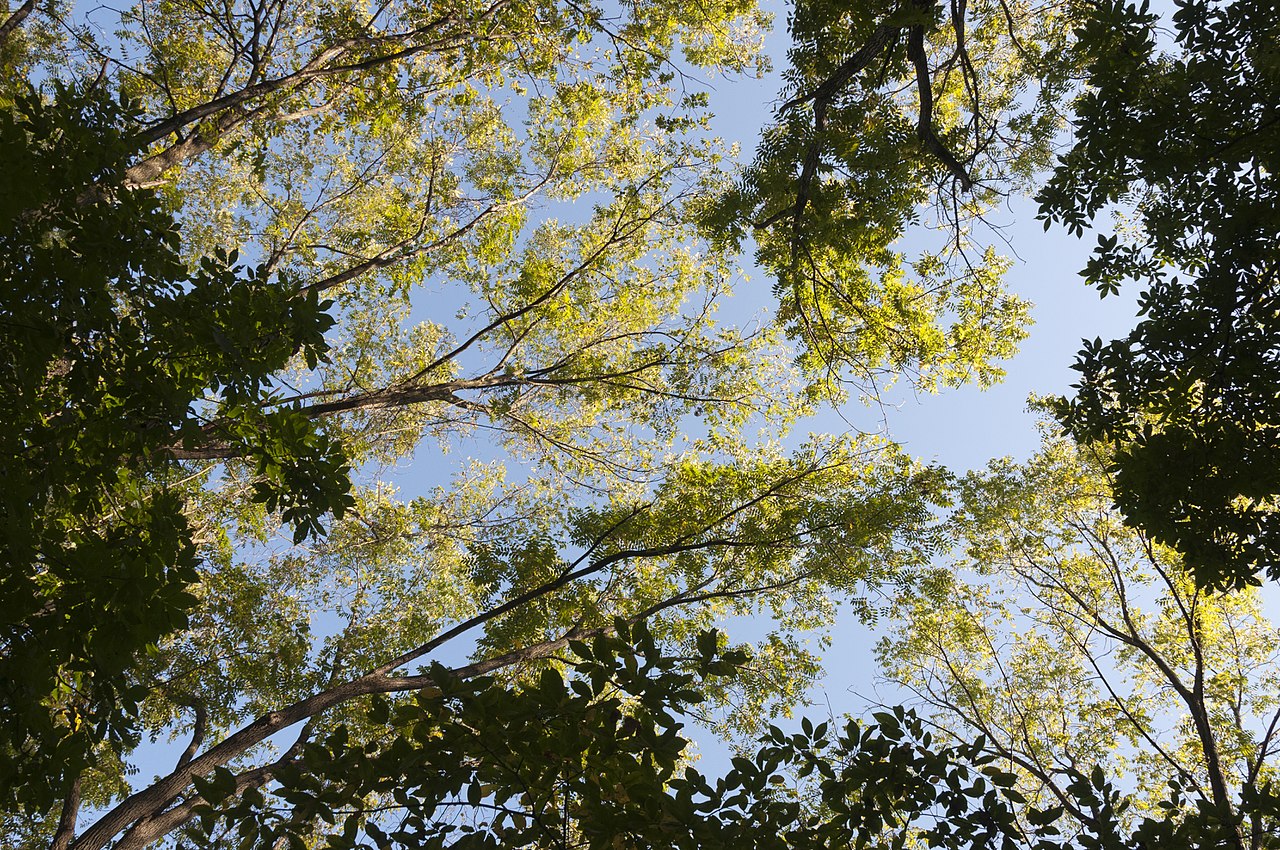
847	70
402	251
617	235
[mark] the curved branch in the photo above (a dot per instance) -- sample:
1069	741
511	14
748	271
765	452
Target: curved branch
821	97
197	734
15	20
924	127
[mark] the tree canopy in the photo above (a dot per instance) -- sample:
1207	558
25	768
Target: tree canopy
1186	137
260	256
1067	640
111	344
354	169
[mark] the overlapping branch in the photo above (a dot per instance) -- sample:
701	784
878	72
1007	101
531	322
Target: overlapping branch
155	811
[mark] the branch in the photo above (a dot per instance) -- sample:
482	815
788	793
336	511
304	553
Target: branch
147	801
924	127
821	97
15	20
197	734
400	395
848	69
138	808
617	235
67	821
232	107
318	66
150	829
977	719
1142	728
401	251
544	589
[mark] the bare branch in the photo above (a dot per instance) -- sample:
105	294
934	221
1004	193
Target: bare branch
197	733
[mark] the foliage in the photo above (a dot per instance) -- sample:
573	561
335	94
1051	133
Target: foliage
781	537
1187	139
892	108
594	757
597	760
392	161
1067	640
504	207
110	345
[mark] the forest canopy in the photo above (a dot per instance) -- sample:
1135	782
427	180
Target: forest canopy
259	257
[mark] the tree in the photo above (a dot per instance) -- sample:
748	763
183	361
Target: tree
357	160
1071	643
110	344
898	116
1187	139
598	762
895	106
367	156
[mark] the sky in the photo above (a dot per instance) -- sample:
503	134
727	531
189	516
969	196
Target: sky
958	428
963	428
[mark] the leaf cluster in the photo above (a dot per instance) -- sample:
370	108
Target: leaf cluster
1188	139
595	758
112	354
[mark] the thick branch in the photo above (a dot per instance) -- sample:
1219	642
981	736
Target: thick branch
67	822
150	829
821	97
319	66
924	127
401	395
15	20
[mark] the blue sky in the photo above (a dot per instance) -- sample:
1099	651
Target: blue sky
962	428
958	428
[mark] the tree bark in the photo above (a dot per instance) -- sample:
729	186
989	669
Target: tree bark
67	821
15	20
